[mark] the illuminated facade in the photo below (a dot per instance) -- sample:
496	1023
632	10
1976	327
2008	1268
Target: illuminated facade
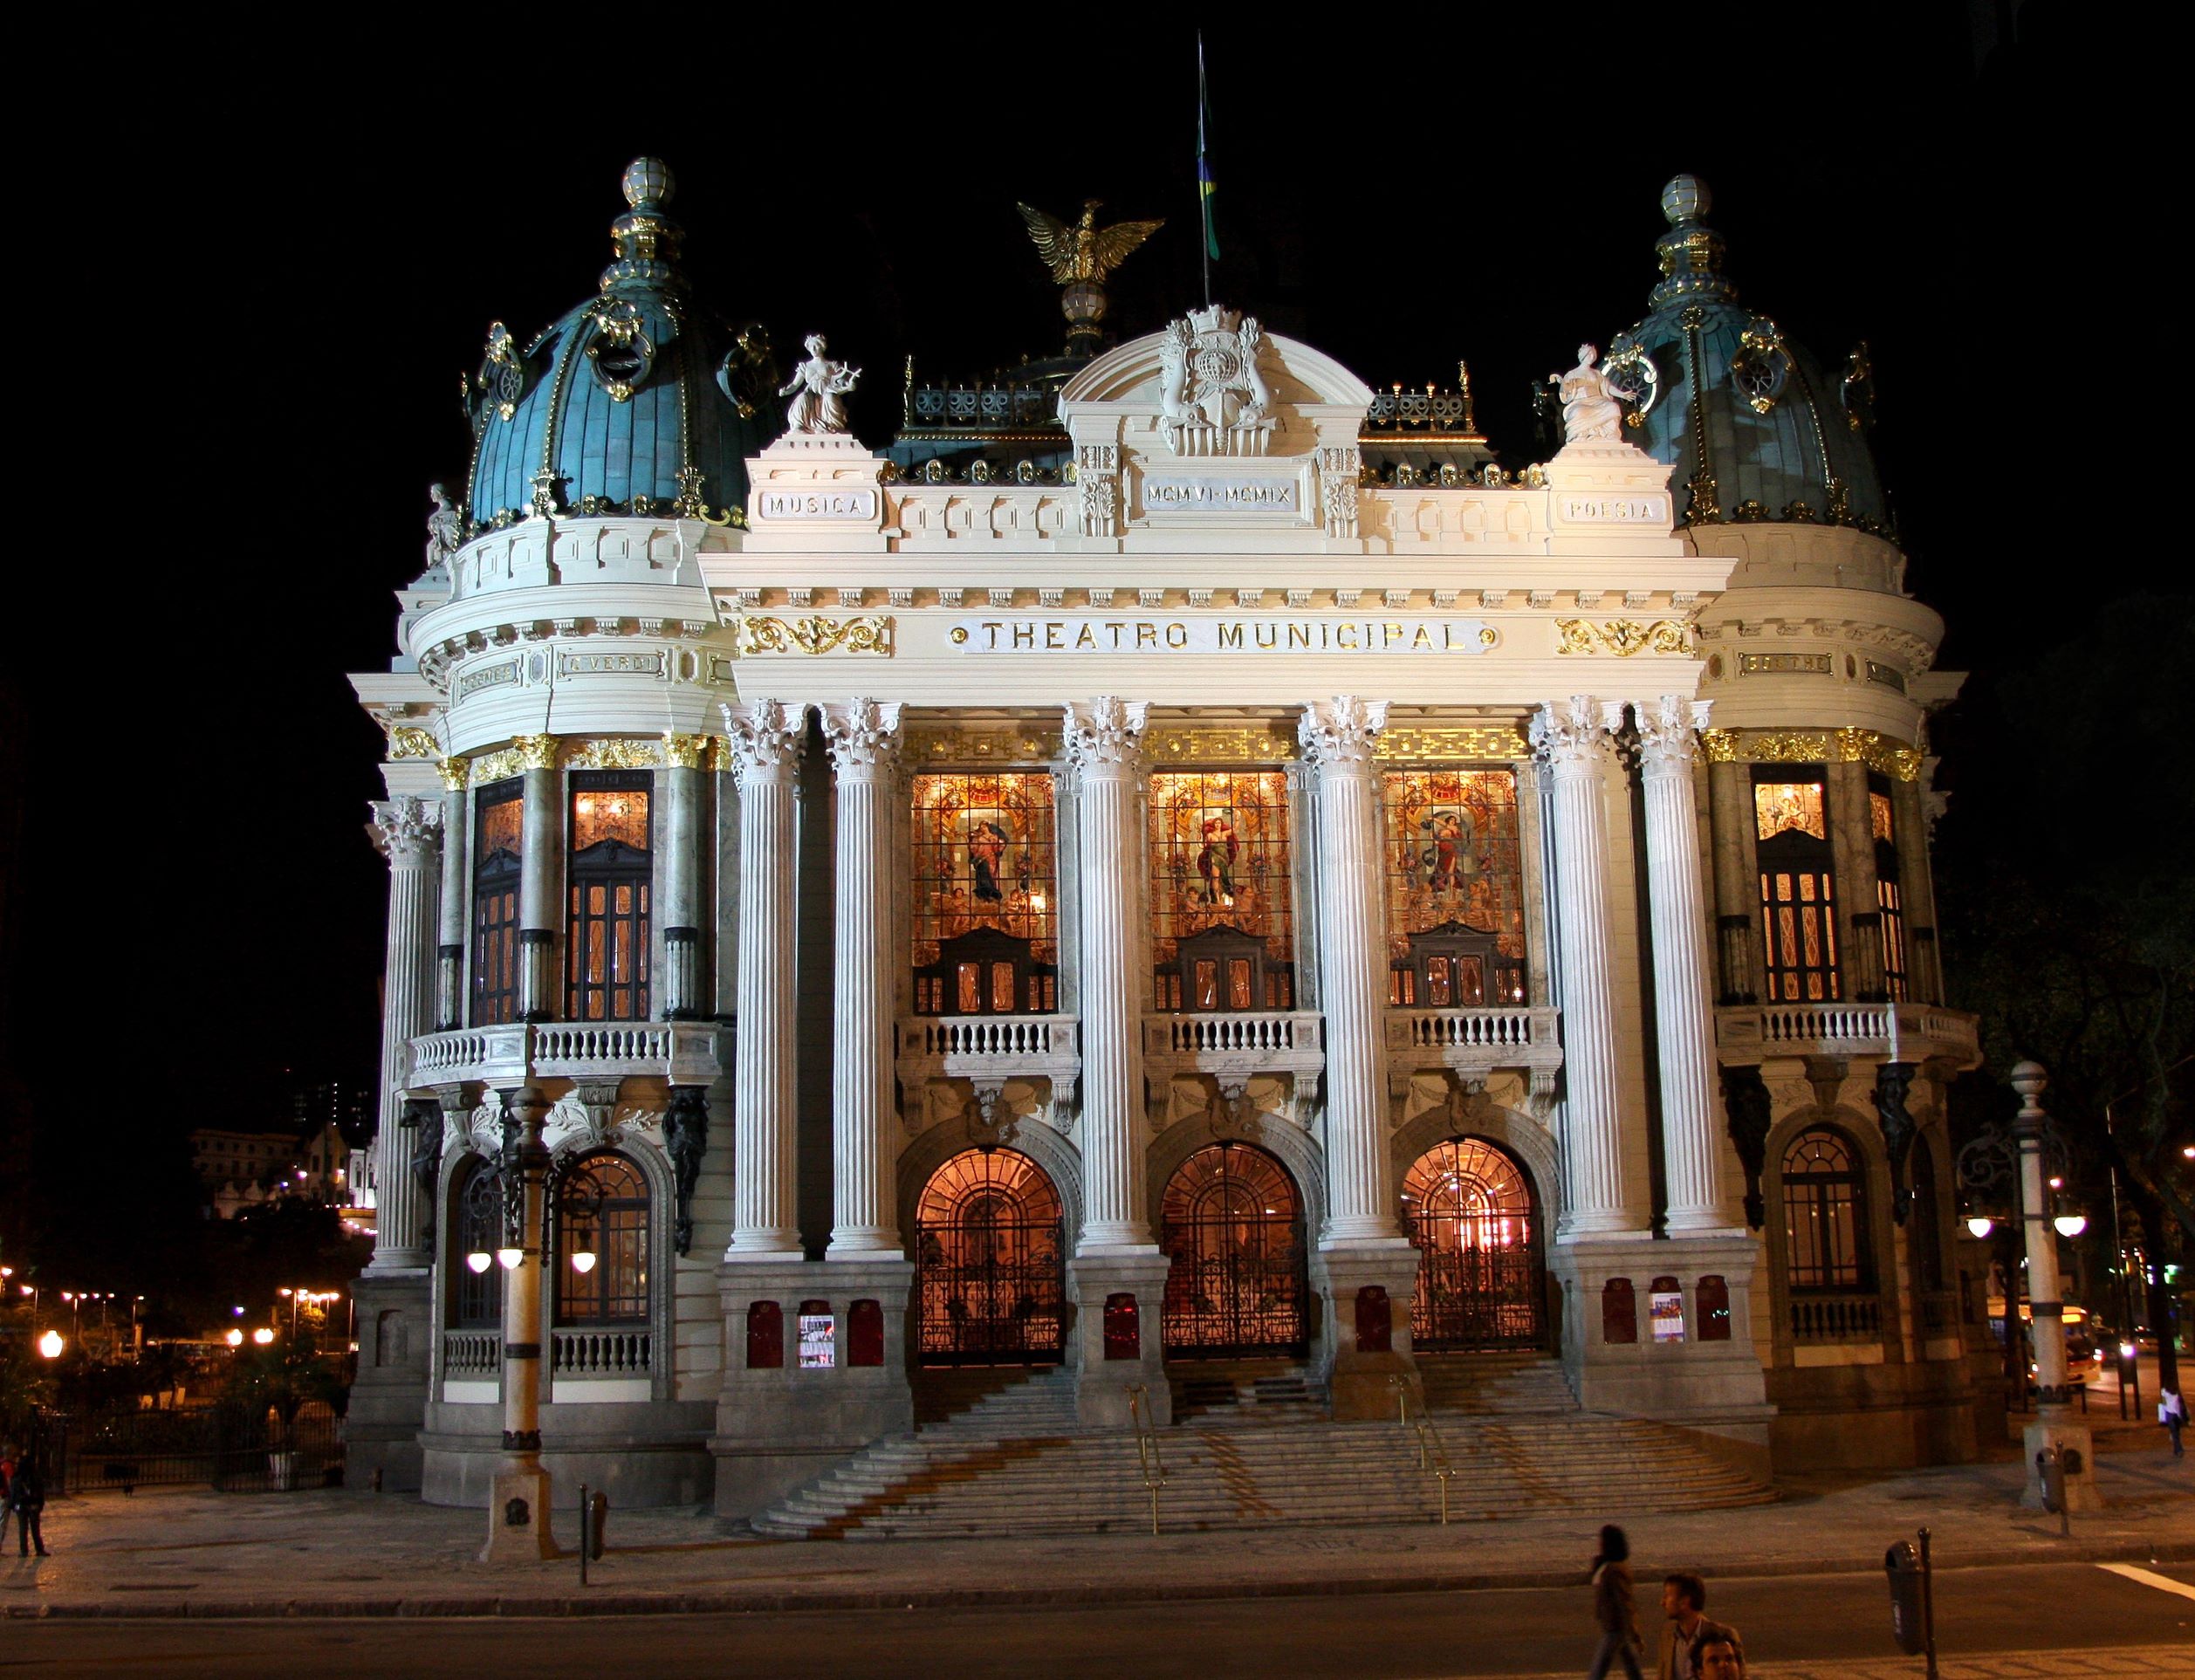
1177	858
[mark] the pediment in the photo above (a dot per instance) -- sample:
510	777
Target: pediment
1130	375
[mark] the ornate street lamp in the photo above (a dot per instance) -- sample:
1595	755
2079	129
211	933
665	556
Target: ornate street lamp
519	1503
2024	1160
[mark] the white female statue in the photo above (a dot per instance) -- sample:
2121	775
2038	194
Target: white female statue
1591	413
817	410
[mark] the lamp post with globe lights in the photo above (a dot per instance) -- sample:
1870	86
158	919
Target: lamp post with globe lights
2023	1158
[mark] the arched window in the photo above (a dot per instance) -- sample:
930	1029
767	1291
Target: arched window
602	1209
989	1270
1469	1208
475	1297
1232	1223
497	843
1825	1214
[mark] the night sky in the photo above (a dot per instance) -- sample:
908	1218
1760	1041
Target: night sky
290	254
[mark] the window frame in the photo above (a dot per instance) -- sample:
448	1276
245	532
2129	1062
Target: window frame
1824	1270
496	963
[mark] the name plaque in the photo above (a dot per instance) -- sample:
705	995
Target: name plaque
1212	494
1615	511
817	503
1092	633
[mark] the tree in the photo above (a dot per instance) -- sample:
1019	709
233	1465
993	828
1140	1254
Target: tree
2066	887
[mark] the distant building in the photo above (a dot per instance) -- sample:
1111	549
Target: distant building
242	1169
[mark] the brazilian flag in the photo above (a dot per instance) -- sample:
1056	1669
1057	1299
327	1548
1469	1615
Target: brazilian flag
1205	184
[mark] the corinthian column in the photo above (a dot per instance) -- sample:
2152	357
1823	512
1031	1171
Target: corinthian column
408	831
1669	747
1572	736
456	833
1337	741
541	910
683	786
1104	742
864	738
766	738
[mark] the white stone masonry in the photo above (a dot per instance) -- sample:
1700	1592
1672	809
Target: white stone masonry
408	831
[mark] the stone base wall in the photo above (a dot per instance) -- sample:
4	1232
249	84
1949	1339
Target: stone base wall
1872	1416
641	1456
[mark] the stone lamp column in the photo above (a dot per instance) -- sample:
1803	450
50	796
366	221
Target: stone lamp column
520	1503
408	831
766	738
865	742
1691	1141
1572	736
2054	1426
1117	1268
541	912
1363	1248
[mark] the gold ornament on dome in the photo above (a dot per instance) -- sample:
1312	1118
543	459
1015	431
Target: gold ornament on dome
1623	637
1458	743
816	634
409	741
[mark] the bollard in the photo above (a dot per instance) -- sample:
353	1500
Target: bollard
596	1527
584	1548
1912	1600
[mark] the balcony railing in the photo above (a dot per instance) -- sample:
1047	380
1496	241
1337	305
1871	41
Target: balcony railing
471	1353
1249	1042
1473	1041
685	1052
605	1353
1908	1032
1836	1318
991	1046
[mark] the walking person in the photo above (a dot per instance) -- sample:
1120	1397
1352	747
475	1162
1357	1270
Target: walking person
1686	1632
2171	1411
26	1495
1616	1606
8	1459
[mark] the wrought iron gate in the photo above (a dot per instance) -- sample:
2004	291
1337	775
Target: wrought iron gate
989	1263
1232	1225
1481	1280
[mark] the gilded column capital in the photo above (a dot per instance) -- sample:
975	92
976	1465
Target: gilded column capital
406	831
687	751
1105	737
453	772
536	752
764	737
1669	732
1573	734
1342	733
864	735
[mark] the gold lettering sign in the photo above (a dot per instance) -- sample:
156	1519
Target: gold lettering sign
1102	633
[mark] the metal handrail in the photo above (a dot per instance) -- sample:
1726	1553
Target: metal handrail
1147	1450
1433	1452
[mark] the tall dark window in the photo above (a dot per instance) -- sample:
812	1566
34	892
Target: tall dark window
609	882
476	1296
602	1211
1825	1213
1889	890
497	844
1797	895
1923	1226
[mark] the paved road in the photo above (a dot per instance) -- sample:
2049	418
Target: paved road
1796	1619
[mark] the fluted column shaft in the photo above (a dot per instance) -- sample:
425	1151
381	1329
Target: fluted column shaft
766	738
864	738
450	928
1669	749
1573	737
541	912
408	831
1337	739
683	798
1104	741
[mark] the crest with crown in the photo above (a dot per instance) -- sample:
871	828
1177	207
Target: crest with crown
1213	399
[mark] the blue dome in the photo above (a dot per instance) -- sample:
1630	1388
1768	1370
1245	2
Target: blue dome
1752	426
635	402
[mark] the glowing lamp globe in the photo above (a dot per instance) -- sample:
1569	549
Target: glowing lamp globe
1979	1224
507	1259
262	1335
50	1344
583	1261
235	1338
478	1260
2071	1224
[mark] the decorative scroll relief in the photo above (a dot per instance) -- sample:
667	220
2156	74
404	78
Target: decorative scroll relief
1452	744
1093	633
811	504
1876	752
816	634
409	741
1623	637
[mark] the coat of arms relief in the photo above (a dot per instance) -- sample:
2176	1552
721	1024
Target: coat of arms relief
1213	400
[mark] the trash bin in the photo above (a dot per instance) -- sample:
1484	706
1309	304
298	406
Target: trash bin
1903	1565
598	1522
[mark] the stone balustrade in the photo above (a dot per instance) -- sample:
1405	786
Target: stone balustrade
1750	1033
990	1046
684	1053
1239	1043
1473	1041
601	1352
1836	1318
473	1354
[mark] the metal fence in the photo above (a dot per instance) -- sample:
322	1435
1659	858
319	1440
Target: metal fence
232	1449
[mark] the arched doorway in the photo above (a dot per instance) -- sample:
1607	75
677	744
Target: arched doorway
1232	1225
1481	1281
988	1263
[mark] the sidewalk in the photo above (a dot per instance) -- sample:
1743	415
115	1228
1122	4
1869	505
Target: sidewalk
189	1552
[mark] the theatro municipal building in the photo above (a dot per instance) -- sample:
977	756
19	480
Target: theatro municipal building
1175	902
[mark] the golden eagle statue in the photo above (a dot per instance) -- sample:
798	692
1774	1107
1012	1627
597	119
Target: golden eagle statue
1084	252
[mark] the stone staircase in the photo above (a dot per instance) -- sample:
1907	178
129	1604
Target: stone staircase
1255	1393
1505	1384
1011	1461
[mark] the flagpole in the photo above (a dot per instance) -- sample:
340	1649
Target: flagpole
1203	207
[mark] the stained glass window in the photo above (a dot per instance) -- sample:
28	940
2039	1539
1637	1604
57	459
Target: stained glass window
1223	928
498	849
1889	890
1798	897
1455	889
1825	1207
986	893
608	885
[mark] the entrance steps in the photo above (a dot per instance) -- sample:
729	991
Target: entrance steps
995	1403
1228	1393
1511	1385
977	1473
